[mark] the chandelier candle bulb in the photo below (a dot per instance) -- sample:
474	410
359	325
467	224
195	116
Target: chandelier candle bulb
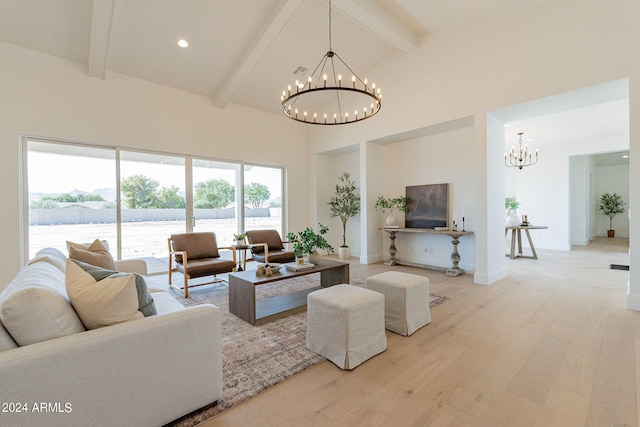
365	84
353	81
339	80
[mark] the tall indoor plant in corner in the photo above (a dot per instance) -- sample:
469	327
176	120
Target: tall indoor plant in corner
344	204
611	205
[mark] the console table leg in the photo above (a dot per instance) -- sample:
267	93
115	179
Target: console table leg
392	249
455	258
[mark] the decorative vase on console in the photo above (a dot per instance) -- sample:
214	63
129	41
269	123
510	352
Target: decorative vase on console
511	204
390	220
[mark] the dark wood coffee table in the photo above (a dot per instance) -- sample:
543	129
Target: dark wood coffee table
242	291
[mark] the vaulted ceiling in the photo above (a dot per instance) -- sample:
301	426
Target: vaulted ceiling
240	51
246	51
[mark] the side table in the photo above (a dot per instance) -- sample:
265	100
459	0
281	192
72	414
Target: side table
241	250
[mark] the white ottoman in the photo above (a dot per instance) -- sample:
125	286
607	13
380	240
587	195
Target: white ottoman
406	300
345	324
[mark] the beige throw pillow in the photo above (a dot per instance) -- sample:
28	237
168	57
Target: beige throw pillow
96	254
102	303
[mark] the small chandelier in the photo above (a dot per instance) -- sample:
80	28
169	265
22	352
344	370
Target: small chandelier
521	158
325	99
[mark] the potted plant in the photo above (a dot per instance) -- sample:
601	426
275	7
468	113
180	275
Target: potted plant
309	242
240	239
384	204
511	204
611	205
344	204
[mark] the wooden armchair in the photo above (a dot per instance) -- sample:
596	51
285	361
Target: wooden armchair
197	255
267	246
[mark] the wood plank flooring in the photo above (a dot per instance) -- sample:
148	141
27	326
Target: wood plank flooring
552	344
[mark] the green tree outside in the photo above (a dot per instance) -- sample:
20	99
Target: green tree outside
255	194
140	192
213	194
168	198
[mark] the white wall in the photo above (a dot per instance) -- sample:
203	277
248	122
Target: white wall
46	96
445	157
581	170
480	68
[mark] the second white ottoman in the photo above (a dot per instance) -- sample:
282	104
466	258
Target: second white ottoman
345	324
406	300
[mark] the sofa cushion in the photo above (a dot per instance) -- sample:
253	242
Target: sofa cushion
270	237
196	245
51	255
6	342
96	254
35	306
99	303
145	300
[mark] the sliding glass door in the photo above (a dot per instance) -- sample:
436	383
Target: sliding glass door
152	189
215	195
71	195
135	200
263	198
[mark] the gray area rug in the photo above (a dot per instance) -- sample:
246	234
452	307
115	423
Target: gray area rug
256	358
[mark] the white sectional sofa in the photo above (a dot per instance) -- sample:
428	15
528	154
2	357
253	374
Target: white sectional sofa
144	372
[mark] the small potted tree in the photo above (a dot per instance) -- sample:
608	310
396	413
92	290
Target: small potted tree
611	205
344	204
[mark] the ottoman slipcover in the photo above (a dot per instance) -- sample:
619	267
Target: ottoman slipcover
345	324
406	300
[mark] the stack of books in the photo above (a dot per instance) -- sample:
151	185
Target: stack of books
294	266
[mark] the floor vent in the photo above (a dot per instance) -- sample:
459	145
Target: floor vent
618	267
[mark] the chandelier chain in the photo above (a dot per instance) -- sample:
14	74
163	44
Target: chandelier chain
330	49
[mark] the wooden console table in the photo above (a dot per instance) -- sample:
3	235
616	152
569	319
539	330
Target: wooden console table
455	255
517	231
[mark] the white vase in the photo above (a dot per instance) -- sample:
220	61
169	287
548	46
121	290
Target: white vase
344	252
314	257
390	221
512	220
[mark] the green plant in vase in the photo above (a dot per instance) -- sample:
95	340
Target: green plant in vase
511	204
384	204
309	242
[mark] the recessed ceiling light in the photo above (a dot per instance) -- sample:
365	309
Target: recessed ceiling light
183	43
626	156
507	125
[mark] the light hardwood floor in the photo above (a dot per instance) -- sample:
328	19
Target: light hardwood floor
552	344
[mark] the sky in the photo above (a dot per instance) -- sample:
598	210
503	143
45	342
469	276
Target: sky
56	173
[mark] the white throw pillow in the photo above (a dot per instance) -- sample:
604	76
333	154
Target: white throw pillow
102	303
35	307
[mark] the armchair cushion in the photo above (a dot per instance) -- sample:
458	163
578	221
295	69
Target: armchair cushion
207	266
196	245
270	237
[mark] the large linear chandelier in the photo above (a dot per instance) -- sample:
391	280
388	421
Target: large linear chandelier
325	99
521	158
